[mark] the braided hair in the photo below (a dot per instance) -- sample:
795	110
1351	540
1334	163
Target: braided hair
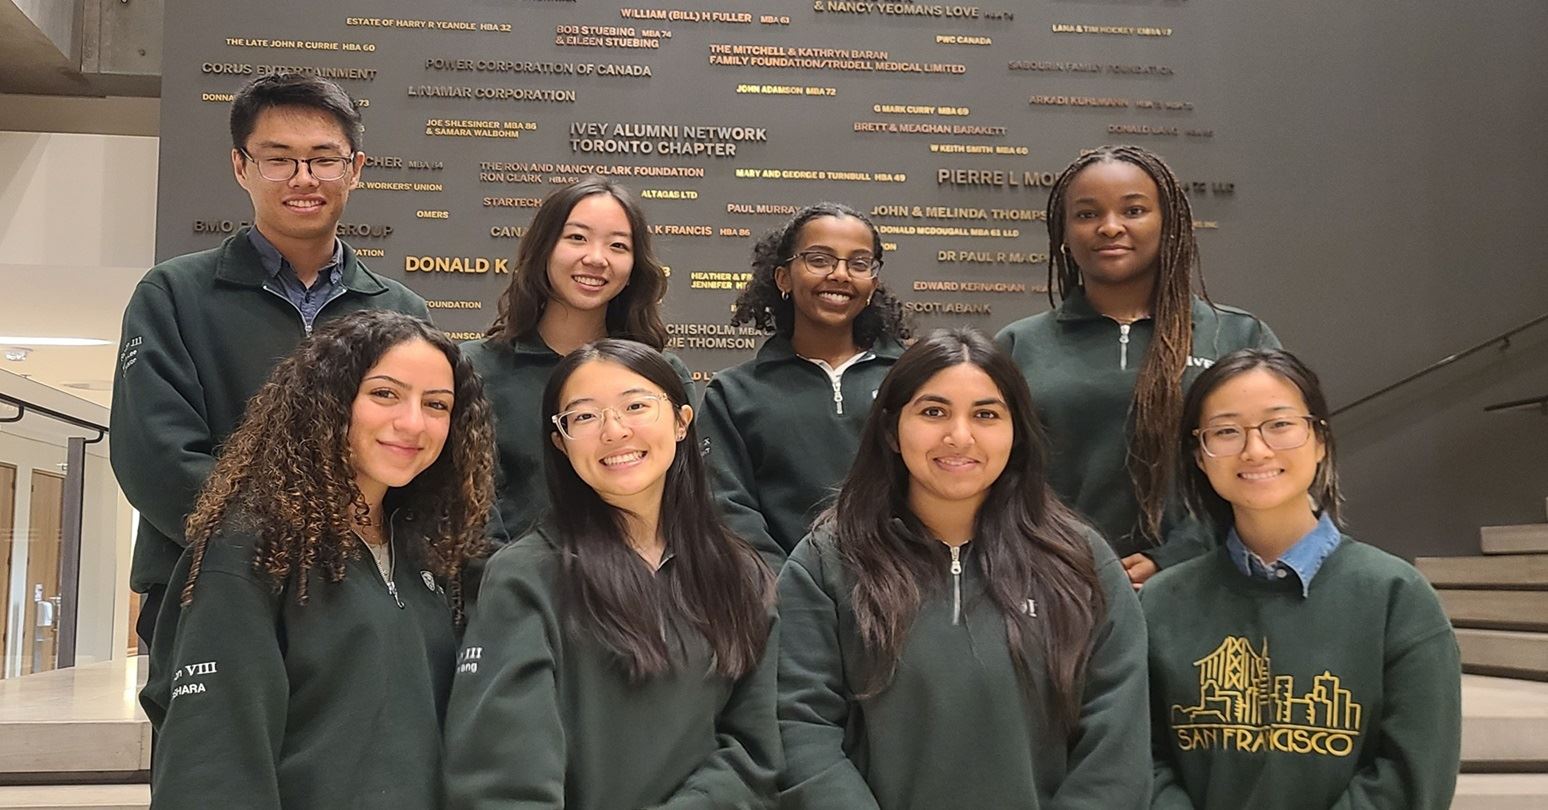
1158	396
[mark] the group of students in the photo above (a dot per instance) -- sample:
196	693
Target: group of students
864	570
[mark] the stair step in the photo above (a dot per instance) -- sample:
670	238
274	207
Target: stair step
1501	791
1498	610
1524	571
86	719
1505	653
1528	538
69	797
1502	725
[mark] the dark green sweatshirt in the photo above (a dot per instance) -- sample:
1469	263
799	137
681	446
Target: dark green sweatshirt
1082	366
543	716
259	702
514	376
1348	697
201	334
781	438
955	728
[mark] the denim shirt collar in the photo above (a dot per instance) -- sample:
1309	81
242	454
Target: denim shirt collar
1304	559
275	264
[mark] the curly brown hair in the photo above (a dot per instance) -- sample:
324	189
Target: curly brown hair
762	305
285	473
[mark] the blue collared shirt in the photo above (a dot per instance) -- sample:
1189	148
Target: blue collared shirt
282	278
1302	560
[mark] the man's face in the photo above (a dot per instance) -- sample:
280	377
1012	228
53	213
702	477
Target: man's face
303	208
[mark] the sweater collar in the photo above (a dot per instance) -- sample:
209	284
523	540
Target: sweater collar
238	262
777	349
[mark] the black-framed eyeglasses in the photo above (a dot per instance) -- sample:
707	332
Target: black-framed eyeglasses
822	263
281	169
587	422
1279	433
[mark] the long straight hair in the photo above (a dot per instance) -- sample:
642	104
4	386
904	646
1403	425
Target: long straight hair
1199	494
634	313
1025	541
716	584
1157	402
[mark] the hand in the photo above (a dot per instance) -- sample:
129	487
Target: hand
1139	568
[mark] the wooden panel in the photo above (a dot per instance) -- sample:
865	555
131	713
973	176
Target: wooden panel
7	533
1530	538
1520	571
1500	610
45	536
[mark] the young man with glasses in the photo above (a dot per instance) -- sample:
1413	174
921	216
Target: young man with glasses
202	331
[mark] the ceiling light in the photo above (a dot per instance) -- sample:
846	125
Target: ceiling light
34	342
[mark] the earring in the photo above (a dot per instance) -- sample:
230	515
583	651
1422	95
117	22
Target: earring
1065	249
868	299
785	294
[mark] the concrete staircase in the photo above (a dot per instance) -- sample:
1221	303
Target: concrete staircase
75	738
1498	603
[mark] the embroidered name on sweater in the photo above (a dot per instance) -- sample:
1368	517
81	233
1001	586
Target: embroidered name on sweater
1244	706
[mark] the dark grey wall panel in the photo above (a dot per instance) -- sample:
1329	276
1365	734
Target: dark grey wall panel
1368	182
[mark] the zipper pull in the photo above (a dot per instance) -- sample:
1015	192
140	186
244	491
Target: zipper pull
956	585
392	588
838	398
1123	346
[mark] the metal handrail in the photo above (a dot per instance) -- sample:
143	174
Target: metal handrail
1541	402
1503	337
23	406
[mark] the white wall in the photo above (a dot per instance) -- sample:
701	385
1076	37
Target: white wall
77	231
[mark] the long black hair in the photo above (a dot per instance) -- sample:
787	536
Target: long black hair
768	310
716	583
1026	541
1157	399
634	313
1196	489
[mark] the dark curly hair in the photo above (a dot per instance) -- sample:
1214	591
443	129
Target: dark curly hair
285	472
762	305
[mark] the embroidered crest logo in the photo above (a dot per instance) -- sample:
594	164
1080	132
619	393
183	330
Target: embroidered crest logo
1244	706
429	580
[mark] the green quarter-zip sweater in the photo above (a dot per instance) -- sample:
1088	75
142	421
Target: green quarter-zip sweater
260	702
514	375
200	335
543	716
781	435
1082	367
955	728
1347	697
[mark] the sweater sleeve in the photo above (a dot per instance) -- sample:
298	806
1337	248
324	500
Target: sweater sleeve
226	698
731	474
739	775
1109	758
505	737
162	450
1420	741
814	703
1186	538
